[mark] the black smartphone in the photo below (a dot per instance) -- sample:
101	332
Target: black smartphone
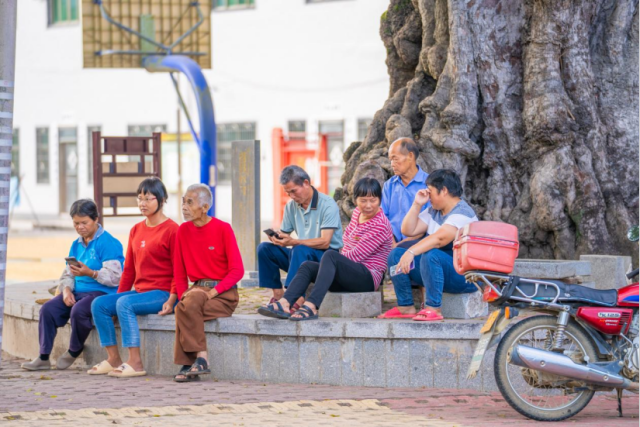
72	261
269	232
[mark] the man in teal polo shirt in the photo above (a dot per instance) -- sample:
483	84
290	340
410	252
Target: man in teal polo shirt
400	190
313	216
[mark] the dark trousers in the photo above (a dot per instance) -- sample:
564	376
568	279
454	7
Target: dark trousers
272	259
335	273
54	314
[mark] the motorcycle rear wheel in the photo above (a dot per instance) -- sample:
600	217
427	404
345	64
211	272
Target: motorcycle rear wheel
540	402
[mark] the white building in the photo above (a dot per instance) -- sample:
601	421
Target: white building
309	64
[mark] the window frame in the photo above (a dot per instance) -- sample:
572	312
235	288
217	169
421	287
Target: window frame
51	6
223	146
43	155
251	4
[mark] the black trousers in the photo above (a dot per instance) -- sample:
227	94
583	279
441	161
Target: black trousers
334	272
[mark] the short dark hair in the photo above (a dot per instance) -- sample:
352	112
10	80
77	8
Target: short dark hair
446	178
293	173
367	187
154	186
84	207
408	145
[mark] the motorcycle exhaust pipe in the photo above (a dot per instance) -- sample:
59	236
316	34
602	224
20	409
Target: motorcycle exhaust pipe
561	365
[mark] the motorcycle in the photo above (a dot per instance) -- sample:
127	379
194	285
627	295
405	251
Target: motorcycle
549	366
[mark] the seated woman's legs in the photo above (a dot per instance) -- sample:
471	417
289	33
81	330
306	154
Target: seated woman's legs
336	270
53	315
402	282
103	309
298	287
439	275
127	308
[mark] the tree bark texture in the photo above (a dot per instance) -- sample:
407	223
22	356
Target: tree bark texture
533	102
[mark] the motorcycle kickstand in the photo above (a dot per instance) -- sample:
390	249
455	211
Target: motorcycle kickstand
619	391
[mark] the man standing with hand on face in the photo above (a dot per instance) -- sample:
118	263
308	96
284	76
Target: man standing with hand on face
314	217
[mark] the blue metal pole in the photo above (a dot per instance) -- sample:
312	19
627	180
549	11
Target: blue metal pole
207	139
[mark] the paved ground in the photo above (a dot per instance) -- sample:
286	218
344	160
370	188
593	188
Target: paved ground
66	398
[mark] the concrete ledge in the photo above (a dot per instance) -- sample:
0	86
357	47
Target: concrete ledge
550	269
608	272
338	351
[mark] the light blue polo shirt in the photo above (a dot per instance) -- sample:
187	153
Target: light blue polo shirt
397	199
321	214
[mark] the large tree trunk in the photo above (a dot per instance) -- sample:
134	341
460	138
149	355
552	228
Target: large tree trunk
533	102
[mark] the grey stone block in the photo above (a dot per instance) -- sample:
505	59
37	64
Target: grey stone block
420	363
330	363
351	358
367	328
351	305
279	327
289	361
322	328
374	364
445	364
239	324
466	349
309	361
418	296
402	329
249	283
549	269
233	363
271	355
398	363
608	271
463	306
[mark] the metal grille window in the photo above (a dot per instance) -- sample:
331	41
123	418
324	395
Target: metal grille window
15	154
90	131
363	128
145	130
233	4
42	155
62	11
226	134
297	129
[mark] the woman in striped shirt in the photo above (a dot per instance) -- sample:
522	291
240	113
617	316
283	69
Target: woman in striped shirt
360	266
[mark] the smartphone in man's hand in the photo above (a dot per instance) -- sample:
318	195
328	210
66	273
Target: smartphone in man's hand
271	233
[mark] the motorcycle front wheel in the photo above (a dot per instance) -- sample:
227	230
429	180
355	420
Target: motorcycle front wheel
539	396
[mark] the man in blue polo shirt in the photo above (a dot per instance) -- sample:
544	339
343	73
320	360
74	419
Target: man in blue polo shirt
313	216
400	190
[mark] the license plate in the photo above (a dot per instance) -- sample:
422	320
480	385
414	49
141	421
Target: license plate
490	321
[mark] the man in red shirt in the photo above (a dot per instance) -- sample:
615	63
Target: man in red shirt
207	254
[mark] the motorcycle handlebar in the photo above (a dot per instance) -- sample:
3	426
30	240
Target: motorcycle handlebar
633	274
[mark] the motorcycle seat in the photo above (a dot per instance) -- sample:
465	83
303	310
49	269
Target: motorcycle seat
569	293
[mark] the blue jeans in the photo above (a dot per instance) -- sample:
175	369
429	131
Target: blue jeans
125	305
272	259
435	268
402	283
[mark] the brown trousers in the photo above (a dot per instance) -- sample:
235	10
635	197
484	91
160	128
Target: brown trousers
192	311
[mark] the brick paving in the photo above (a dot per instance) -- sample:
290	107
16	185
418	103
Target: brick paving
74	398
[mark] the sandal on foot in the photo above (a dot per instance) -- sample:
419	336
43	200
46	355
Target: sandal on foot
199	367
307	314
185	378
295	307
427	315
126	371
101	368
271	311
395	313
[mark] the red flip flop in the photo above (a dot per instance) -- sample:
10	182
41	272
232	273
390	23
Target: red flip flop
395	313
427	315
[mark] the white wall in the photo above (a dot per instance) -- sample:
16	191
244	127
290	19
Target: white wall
283	60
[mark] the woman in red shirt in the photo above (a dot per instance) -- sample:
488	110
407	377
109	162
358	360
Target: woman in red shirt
148	268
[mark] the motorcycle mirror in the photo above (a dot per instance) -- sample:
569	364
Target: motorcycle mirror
632	234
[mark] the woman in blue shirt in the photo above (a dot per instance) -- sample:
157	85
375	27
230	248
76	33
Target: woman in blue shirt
96	273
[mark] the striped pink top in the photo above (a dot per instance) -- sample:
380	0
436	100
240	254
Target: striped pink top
369	243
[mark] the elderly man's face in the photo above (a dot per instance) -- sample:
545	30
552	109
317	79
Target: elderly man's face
191	206
400	162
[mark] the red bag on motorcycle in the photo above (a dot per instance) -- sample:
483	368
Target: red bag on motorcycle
486	246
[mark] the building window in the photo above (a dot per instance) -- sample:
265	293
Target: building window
226	134
90	131
297	129
233	4
15	154
145	130
363	128
42	155
62	11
